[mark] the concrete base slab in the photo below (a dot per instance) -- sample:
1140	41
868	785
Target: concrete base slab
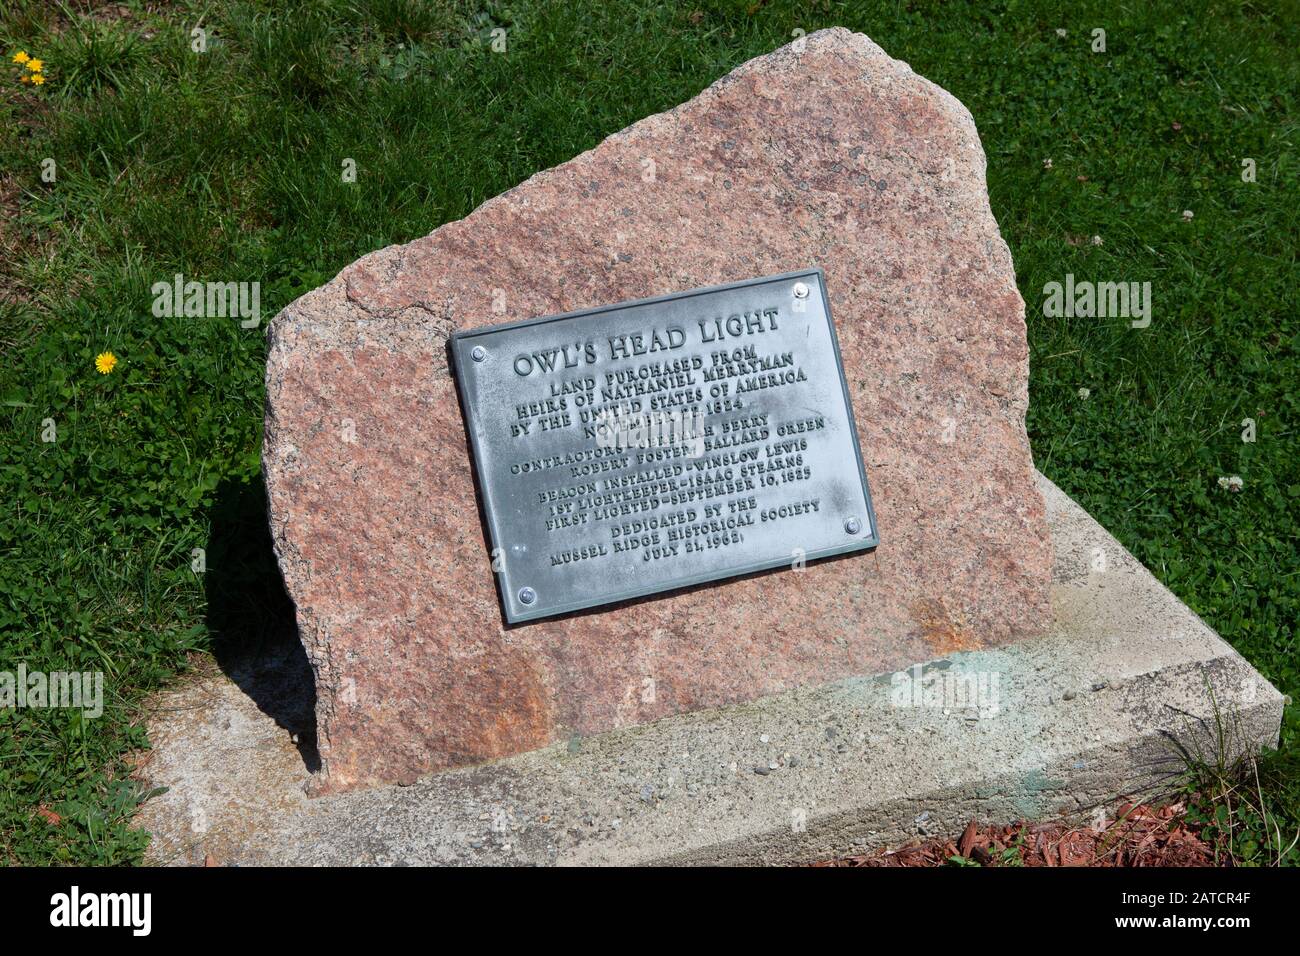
1059	726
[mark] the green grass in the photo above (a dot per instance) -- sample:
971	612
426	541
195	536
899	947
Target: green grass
1242	804
225	165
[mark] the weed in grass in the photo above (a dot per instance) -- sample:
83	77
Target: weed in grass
93	58
407	21
1247	823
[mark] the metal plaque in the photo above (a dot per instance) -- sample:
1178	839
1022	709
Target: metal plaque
663	443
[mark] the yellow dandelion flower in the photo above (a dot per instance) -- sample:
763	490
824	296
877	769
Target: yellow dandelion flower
36	65
21	56
104	362
38	78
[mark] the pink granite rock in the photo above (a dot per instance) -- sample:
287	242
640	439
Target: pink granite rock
826	153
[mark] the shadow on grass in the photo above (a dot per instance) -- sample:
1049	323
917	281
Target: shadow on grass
251	619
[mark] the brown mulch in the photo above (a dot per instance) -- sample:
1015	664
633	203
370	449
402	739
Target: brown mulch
1142	835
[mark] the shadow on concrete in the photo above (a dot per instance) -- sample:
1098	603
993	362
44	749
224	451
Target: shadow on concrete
251	619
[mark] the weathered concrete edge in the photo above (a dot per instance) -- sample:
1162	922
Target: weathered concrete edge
1075	786
1136	674
1085	716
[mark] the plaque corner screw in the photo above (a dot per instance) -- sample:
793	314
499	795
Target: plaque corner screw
478	353
801	290
527	595
853	526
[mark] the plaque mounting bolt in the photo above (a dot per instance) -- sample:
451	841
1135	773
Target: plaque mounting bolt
853	526
478	353
527	595
800	290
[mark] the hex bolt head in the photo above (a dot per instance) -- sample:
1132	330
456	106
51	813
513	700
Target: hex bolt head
853	526
800	290
478	353
527	595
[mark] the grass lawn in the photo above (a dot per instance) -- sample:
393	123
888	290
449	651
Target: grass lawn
225	165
